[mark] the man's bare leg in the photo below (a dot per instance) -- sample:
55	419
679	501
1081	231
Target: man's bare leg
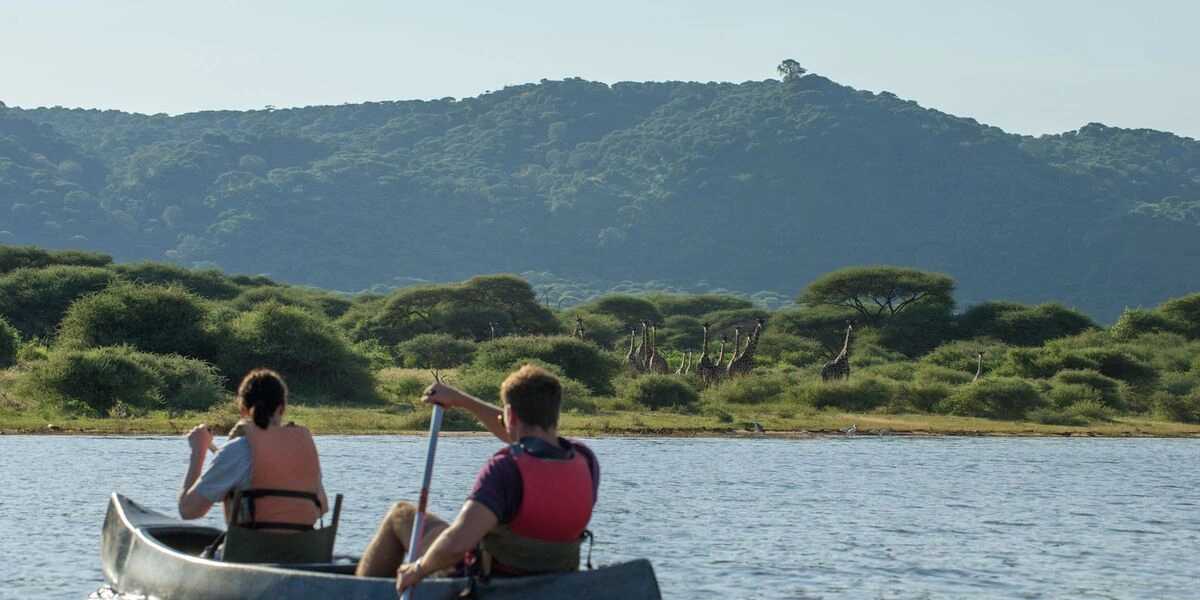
388	548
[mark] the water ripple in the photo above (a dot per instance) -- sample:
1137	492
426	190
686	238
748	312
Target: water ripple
762	518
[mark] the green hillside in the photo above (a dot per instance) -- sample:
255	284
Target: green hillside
743	187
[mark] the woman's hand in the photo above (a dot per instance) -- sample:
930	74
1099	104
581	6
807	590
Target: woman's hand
200	438
408	576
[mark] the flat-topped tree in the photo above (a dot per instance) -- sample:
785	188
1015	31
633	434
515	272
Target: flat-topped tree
879	292
790	70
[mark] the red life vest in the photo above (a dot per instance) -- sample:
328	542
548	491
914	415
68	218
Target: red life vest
556	504
556	498
284	458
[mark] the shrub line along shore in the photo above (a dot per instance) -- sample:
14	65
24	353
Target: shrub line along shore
357	421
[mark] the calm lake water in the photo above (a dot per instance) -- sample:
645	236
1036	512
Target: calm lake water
863	517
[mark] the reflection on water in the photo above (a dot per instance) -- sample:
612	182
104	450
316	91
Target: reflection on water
883	517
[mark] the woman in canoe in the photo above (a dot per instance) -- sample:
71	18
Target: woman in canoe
266	457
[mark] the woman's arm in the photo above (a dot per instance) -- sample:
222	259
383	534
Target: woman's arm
191	504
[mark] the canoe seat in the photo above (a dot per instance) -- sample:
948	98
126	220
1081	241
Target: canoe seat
247	545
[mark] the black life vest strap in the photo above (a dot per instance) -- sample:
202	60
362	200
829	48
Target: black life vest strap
251	494
587	533
268	525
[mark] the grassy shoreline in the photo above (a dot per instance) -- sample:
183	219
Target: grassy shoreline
376	421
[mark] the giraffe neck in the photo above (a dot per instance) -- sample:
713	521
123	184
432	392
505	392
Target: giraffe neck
751	343
845	346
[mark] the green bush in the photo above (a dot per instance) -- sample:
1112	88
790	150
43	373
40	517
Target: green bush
10	344
760	388
1056	416
30	257
789	348
600	329
962	355
186	384
1179	384
206	283
376	354
151	318
937	374
993	398
695	306
1043	363
579	360
857	394
917	329
313	355
1139	321
1183	409
435	351
99	381
35	300
1123	365
474	321
287	296
898	371
1185	311
1064	395
407	389
629	311
679	332
1020	325
661	392
1109	391
923	396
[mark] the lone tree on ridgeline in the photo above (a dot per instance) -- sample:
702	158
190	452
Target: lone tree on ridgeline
791	70
879	292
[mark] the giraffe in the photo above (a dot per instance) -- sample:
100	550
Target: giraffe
656	363
840	366
743	363
704	367
643	347
632	363
979	367
737	337
683	363
491	330
718	370
578	333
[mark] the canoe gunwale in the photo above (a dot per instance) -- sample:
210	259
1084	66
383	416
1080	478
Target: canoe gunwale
135	561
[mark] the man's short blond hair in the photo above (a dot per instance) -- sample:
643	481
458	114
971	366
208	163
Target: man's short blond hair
535	394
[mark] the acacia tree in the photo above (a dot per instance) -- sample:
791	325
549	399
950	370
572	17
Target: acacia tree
879	292
790	70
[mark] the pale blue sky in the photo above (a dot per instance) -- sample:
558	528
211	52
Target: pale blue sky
1026	66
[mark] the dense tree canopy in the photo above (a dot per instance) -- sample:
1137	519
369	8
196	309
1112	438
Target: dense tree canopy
879	292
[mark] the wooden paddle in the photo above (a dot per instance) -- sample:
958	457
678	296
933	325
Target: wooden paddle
435	425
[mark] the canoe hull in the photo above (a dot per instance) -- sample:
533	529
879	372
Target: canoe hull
139	556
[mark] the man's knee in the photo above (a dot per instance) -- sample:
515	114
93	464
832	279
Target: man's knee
402	513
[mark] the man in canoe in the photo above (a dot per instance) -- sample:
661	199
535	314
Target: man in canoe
266	455
530	504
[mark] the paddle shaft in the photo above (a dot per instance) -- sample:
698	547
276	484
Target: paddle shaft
435	425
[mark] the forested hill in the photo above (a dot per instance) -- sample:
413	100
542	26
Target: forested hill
746	187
